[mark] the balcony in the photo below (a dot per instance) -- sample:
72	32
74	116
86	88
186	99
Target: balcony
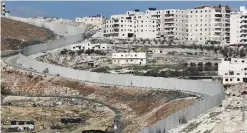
217	34
169	15
218	25
243	33
115	25
169	22
217	38
155	17
169	25
244	17
218	15
227	20
115	31
169	30
243	28
218	30
217	20
243	22
227	16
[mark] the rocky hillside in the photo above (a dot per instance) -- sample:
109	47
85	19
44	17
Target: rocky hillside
16	35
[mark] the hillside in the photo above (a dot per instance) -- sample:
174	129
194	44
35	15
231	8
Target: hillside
16	35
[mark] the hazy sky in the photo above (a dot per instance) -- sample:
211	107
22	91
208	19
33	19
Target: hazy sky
72	9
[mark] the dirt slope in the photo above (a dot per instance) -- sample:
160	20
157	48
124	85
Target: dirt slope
16	35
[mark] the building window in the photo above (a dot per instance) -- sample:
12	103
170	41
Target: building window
226	73
231	73
230	79
238	79
226	79
238	73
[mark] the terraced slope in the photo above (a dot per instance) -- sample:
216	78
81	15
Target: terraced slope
15	35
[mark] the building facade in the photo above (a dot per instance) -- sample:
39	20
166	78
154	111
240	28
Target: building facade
89	46
233	70
94	20
170	24
122	59
209	23
4	12
238	33
205	24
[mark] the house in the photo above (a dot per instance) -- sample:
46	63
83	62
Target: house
233	70
133	58
89	46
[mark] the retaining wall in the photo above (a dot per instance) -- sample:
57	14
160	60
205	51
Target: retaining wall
214	92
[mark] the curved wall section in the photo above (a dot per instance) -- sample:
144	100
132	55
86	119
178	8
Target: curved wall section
214	93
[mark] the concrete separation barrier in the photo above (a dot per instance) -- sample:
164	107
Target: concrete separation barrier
214	92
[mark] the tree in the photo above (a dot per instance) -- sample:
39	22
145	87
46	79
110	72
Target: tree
200	66
185	64
192	64
225	51
208	66
242	53
215	68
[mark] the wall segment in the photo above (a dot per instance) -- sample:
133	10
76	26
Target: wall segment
214	92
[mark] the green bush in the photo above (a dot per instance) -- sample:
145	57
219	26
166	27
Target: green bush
102	69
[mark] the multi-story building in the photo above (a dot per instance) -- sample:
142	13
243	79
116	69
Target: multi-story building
233	70
209	23
4	12
122	59
205	24
174	24
238	32
94	20
151	24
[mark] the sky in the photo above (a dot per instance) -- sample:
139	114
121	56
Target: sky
73	9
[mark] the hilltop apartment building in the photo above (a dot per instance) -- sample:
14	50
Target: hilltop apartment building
239	26
209	23
151	24
200	25
94	20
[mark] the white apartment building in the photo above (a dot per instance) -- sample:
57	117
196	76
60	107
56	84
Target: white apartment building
238	32
89	46
174	24
200	25
209	23
151	24
233	70
122	59
94	20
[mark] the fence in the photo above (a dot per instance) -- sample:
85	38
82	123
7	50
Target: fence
214	92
